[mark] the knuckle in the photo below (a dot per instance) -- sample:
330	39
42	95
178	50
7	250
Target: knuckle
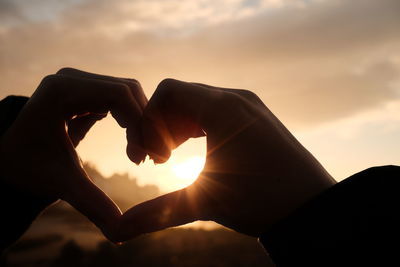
65	70
251	96
123	91
247	94
50	81
166	84
234	99
165	88
50	93
135	85
134	81
233	103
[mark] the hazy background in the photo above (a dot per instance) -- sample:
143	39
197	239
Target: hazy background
329	69
62	236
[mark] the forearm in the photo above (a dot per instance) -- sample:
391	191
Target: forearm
18	208
351	224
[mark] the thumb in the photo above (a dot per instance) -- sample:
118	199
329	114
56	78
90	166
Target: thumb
79	126
173	209
92	202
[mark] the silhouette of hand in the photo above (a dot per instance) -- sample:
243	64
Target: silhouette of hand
37	152
255	173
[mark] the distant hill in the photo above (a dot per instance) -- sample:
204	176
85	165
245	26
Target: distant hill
122	188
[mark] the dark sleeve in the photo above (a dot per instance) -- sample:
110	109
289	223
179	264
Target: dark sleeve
18	209
354	223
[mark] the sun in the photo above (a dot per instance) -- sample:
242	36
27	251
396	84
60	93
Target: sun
188	170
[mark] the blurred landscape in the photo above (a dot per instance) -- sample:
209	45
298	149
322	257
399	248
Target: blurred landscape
63	237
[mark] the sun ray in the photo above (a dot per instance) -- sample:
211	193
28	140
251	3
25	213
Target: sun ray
188	170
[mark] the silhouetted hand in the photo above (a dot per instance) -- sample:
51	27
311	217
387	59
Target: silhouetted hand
255	173
37	152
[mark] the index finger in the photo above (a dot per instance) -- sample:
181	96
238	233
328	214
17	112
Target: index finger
133	84
61	97
134	149
69	96
180	110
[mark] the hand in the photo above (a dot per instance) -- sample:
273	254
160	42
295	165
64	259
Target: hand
255	174
37	152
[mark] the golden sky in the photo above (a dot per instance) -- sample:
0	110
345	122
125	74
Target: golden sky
329	69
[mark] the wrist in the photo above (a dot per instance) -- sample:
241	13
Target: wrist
292	193
19	208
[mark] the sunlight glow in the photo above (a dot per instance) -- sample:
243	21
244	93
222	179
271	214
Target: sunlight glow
189	169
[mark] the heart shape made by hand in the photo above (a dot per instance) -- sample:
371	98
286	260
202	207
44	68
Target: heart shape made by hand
255	173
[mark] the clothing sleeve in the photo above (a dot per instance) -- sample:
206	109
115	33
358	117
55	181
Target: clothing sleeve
18	209
354	223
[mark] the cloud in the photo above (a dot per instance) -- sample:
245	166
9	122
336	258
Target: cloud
310	61
19	12
9	13
161	17
349	145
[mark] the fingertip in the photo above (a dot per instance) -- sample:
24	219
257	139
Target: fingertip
173	209
155	145
136	154
134	149
160	158
127	229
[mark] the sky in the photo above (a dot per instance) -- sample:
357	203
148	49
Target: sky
329	69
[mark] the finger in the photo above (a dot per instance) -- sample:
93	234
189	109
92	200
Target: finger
92	202
79	126
134	148
160	137
137	91
180	110
173	209
249	95
72	96
133	84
